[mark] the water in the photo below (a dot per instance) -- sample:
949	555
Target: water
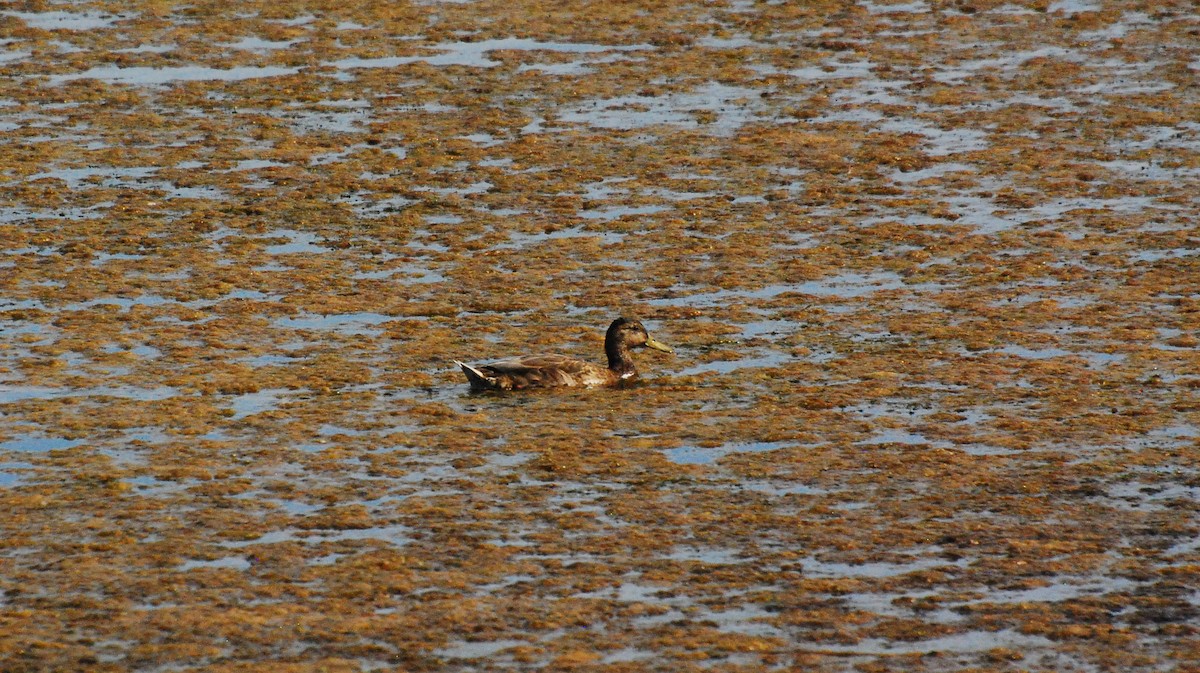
477	649
257	44
18	393
696	455
151	76
64	20
730	107
38	444
298	242
249	404
930	291
848	285
347	323
733	366
227	562
11	473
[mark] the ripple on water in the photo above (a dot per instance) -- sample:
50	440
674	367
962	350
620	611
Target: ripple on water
298	242
64	20
875	569
230	562
959	643
1094	358
360	323
11	473
674	109
701	455
615	212
469	649
248	404
520	241
850	285
149	76
474	54
396	535
17	393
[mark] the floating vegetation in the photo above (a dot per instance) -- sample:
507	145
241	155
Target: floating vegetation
930	271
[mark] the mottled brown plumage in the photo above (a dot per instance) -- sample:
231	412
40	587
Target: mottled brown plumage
554	371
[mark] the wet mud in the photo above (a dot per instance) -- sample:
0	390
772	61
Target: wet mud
929	268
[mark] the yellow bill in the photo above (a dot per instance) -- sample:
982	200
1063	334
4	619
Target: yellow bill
658	346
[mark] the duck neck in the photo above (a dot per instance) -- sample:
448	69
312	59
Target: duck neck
618	358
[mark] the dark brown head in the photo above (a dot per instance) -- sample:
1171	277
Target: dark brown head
625	334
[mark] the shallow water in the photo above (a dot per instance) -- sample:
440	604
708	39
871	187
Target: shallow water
928	269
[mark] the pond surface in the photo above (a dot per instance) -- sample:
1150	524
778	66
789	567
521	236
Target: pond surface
930	269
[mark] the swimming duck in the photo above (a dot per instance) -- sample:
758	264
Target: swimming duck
553	371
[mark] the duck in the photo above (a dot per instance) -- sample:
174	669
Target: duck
561	371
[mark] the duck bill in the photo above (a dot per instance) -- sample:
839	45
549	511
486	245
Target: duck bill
658	346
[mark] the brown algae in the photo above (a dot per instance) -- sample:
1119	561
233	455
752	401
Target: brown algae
929	269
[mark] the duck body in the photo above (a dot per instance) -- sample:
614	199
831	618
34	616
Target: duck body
538	371
561	371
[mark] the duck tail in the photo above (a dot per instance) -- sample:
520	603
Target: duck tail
478	379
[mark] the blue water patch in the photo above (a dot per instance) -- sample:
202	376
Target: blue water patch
345	323
20	393
609	213
256	402
298	242
38	444
231	562
147	485
268	360
698	455
329	429
727	366
64	20
8	479
150	76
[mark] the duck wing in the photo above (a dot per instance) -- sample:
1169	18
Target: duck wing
543	371
479	380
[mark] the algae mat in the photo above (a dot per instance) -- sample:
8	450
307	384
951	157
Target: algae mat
930	269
